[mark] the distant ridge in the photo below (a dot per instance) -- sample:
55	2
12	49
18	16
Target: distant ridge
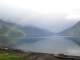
29	31
72	31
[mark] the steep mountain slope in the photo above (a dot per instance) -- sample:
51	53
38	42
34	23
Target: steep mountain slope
29	30
72	31
35	31
10	32
34	34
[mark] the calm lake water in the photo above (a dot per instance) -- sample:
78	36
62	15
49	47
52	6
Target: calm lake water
50	44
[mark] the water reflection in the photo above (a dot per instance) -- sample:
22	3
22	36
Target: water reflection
50	44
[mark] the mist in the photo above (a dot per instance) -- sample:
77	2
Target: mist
26	13
55	23
52	44
49	15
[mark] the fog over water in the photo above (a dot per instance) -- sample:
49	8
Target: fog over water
52	44
52	15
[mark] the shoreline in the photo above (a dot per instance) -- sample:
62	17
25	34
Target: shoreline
37	55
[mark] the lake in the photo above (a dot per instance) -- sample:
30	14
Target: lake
50	44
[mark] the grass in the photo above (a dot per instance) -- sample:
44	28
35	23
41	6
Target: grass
17	55
10	56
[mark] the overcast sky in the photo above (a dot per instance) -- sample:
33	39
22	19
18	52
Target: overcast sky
54	15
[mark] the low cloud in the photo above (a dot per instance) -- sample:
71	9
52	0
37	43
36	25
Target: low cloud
28	14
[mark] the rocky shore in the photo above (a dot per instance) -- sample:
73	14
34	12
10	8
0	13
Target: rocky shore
36	56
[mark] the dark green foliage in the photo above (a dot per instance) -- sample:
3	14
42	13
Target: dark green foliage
9	35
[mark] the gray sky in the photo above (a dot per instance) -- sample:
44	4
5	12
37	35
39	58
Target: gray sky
54	15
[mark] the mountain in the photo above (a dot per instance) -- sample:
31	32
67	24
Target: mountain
35	31
10	32
29	30
33	34
73	33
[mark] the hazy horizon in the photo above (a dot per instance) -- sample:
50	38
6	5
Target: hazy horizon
52	16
